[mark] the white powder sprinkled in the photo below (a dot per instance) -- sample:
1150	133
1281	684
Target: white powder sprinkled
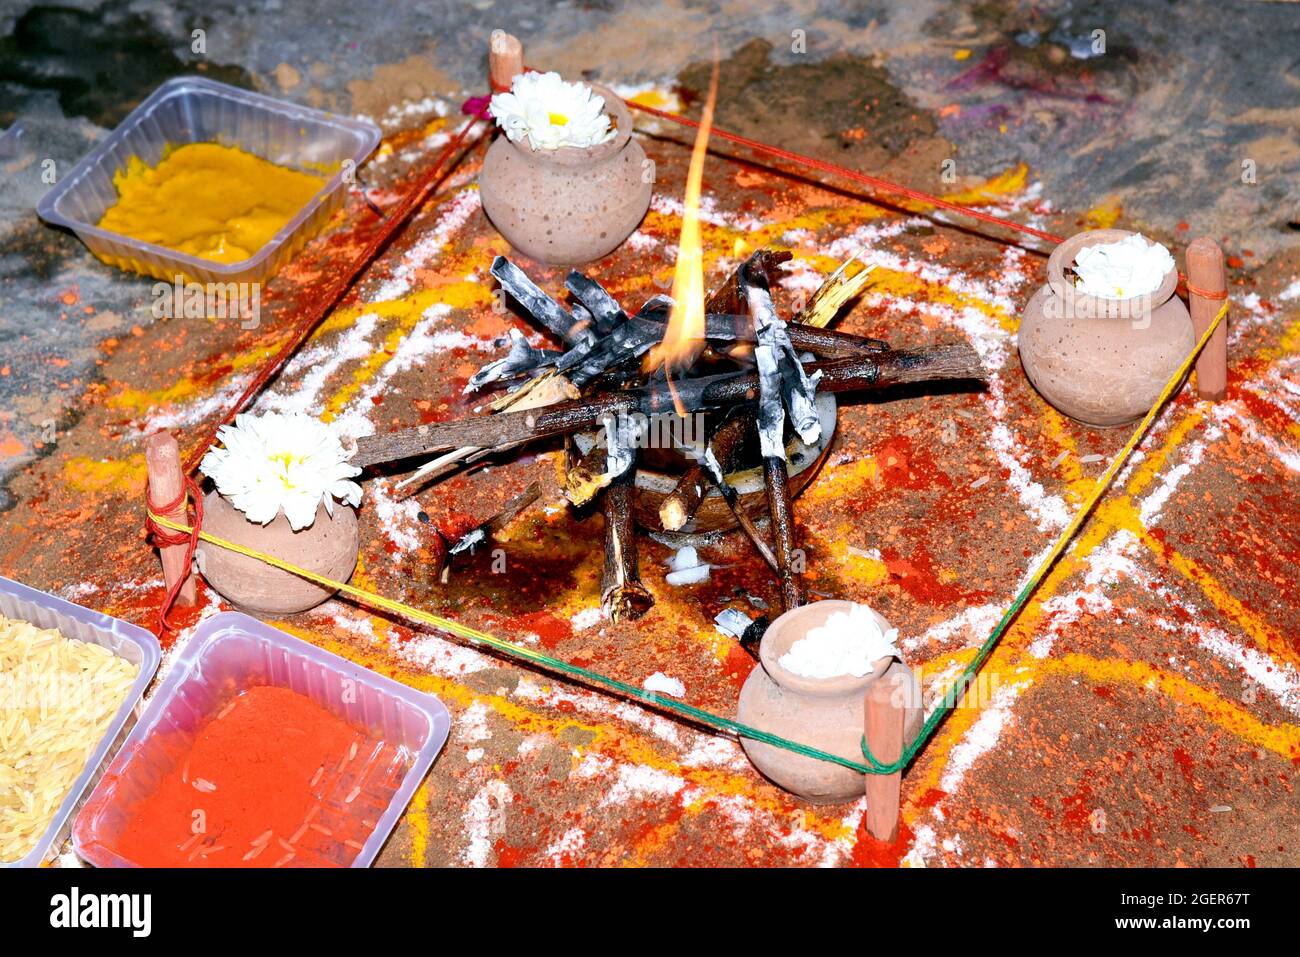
686	567
1133	266
662	684
850	643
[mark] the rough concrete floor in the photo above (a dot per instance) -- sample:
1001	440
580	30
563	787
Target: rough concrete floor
1144	712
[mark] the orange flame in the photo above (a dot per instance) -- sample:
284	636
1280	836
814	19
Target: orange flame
684	335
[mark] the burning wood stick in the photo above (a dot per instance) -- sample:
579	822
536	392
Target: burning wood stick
866	373
622	595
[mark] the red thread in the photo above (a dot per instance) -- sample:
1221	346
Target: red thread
161	537
1206	294
883	185
326	304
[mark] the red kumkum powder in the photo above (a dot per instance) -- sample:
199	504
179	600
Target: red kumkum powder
255	771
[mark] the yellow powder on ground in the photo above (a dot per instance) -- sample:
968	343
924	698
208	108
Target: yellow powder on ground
211	201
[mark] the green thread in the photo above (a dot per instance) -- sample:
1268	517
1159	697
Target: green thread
873	766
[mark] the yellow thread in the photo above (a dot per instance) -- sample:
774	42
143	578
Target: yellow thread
473	634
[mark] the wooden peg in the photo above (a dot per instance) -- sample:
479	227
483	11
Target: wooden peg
886	711
1206	273
162	460
505	60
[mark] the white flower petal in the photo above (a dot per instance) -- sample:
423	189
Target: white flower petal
551	113
275	463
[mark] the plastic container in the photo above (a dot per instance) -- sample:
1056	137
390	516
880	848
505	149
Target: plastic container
228	654
196	110
134	644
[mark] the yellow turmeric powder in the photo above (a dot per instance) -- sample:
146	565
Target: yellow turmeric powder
210	201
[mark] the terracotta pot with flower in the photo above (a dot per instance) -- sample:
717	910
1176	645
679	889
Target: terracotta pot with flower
282	486
1103	335
567	183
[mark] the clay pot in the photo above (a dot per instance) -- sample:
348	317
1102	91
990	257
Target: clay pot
569	205
826	713
328	547
1101	361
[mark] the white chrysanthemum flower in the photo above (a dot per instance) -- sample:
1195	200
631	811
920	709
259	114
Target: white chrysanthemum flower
274	462
551	113
1132	266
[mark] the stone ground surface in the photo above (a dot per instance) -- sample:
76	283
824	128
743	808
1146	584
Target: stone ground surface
1145	710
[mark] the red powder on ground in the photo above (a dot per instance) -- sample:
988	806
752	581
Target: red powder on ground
265	756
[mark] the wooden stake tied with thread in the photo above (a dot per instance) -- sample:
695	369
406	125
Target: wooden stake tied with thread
884	719
162	460
505	60
1207	287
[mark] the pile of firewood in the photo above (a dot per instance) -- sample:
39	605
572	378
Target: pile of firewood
756	377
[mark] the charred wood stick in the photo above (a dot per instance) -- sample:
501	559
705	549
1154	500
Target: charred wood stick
732	498
784	541
878	371
730	296
622	595
727	327
629	340
824	343
682	502
536	303
605	311
480	533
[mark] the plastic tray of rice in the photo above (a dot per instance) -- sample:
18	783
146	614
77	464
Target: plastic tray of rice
70	679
